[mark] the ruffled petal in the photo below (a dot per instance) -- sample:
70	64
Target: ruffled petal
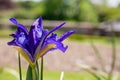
20	26
12	43
58	44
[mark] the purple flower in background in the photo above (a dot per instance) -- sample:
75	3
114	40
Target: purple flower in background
36	42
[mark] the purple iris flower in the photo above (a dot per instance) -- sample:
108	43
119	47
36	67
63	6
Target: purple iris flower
36	42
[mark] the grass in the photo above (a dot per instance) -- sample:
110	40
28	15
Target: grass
88	38
50	75
5	33
4	75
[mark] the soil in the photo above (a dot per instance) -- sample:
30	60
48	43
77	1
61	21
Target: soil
78	54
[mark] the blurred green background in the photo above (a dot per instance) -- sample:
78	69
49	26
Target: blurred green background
77	13
74	10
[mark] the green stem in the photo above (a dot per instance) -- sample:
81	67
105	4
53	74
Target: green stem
113	55
34	74
19	61
41	75
94	74
98	55
37	69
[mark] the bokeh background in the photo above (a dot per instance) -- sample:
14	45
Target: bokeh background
94	46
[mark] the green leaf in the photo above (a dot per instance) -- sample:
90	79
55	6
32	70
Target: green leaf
29	73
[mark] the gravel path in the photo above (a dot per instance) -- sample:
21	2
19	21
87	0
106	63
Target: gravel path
78	53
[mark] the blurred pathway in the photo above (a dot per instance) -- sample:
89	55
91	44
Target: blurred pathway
78	53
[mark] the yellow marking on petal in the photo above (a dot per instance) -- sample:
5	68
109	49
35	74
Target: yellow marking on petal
41	53
24	55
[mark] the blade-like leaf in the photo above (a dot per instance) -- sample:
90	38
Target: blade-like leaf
29	73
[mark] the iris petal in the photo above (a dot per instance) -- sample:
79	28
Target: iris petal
20	26
56	28
31	40
37	42
59	45
40	22
12	43
13	20
45	50
65	35
25	55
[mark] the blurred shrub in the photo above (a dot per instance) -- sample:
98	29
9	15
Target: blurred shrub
108	13
38	10
29	10
55	9
22	14
112	13
75	10
87	11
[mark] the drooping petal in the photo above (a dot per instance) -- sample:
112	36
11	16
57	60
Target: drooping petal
58	44
25	54
12	43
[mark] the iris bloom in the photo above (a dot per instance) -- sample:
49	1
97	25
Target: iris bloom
36	42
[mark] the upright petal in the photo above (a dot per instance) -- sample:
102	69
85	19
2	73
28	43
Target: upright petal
65	35
51	31
56	28
31	40
38	30
38	23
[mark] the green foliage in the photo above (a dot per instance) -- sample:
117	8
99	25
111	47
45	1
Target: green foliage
55	9
27	4
108	13
78	10
29	74
22	14
5	33
51	75
81	10
113	13
87	12
29	10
